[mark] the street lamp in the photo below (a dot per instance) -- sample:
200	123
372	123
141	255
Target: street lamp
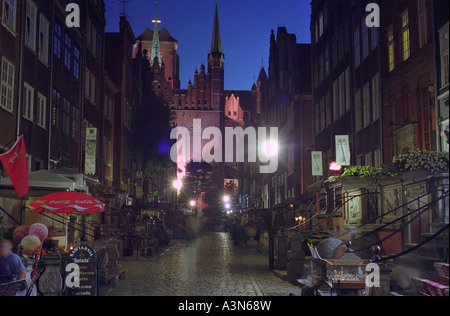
333	166
270	148
192	203
177	184
226	198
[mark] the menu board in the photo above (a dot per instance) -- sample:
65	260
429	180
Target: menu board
82	265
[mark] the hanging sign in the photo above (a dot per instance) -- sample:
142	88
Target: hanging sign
90	151
342	150
81	272
317	164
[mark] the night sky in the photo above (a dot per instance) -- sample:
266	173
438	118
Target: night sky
244	25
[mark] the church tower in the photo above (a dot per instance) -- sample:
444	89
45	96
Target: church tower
216	68
156	47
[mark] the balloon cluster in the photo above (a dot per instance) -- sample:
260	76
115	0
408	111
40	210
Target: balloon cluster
30	237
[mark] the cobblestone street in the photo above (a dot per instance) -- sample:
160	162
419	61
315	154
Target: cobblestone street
209	265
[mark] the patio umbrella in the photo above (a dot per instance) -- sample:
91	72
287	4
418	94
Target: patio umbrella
67	202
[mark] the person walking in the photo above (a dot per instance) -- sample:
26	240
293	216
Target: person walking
11	264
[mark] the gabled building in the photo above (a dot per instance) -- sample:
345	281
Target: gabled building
287	104
283	99
120	71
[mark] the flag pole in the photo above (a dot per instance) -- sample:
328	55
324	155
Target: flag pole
15	138
12	140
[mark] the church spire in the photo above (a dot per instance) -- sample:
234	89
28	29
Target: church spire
216	45
156	48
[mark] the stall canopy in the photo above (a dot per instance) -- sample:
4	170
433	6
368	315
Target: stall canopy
44	179
67	202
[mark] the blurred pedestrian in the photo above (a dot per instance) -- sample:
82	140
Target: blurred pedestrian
11	264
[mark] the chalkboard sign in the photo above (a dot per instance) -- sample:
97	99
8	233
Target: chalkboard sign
81	272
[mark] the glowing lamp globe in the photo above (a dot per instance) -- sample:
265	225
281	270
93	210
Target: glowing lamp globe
177	184
270	148
333	166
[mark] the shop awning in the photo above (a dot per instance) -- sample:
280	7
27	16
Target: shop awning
44	179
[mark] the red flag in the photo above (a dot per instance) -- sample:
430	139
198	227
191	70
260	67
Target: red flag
15	164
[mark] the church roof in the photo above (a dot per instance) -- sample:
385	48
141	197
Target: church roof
216	45
147	35
164	36
262	75
246	99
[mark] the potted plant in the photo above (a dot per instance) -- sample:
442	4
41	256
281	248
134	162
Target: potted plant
360	172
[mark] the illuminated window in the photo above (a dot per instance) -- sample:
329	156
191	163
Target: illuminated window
391	48
427	118
405	35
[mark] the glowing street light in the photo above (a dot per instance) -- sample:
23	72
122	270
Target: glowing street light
227	206
177	184
226	198
192	203
270	148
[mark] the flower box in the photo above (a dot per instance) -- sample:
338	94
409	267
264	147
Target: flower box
424	162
